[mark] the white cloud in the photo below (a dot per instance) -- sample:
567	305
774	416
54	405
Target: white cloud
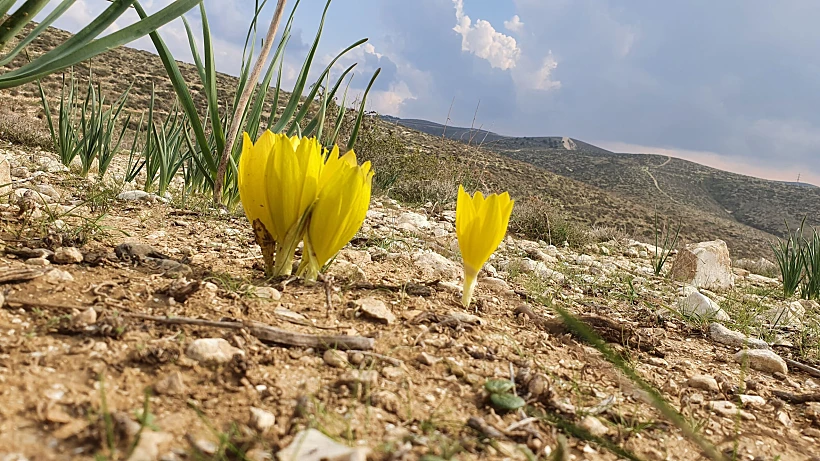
514	24
390	101
481	39
542	79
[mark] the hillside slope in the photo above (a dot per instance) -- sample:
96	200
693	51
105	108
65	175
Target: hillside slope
671	183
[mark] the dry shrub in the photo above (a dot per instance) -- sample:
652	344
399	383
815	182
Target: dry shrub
760	266
410	176
533	218
24	130
599	234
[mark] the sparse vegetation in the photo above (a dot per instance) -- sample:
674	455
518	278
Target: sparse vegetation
789	257
534	218
665	243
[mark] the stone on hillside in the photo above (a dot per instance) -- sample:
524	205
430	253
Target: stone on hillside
786	316
375	309
212	350
760	266
51	165
546	273
48	190
721	334
594	426
412	222
703	382
173	384
261	420
761	279
5	175
705	265
699	305
312	445
139	195
762	360
436	266
346	271
67	255
495	284
360	258
58	277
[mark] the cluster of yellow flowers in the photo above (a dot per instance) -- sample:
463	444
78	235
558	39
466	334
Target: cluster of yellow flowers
294	190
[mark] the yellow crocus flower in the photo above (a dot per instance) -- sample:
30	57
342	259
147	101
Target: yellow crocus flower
290	192
339	212
481	224
291	185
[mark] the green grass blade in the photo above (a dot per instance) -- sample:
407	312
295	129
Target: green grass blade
340	118
355	133
184	95
194	51
329	96
583	331
76	41
47	21
310	97
210	82
293	103
19	19
147	24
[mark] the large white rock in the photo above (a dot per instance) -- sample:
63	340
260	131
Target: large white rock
705	265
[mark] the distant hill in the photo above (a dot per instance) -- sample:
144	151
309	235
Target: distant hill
655	181
485	138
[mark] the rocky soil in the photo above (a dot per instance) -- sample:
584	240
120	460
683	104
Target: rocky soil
139	327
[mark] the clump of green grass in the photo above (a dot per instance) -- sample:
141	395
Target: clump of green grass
810	256
789	257
665	243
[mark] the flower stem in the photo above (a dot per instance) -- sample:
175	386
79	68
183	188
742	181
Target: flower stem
470	280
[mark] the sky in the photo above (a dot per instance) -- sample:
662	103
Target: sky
730	84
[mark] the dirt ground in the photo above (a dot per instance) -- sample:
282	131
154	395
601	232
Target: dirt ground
90	366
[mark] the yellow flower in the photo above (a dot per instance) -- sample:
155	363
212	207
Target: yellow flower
278	183
290	192
481	224
292	185
344	197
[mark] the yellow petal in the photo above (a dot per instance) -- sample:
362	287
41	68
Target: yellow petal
339	211
251	178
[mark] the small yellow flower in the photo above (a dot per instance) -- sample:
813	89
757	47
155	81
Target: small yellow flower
481	224
344	197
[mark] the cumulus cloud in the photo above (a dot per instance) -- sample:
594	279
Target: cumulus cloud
514	24
481	39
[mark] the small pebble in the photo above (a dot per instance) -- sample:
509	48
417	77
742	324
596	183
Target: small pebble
335	358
